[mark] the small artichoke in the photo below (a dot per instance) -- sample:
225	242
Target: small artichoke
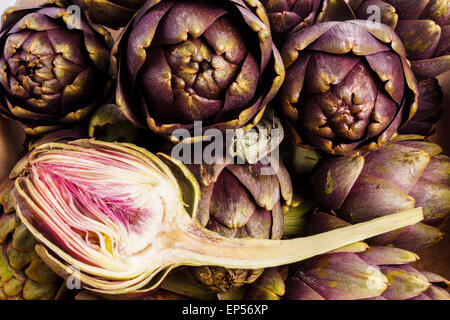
293	15
110	13
53	65
348	85
430	109
179	62
23	274
406	173
422	25
238	201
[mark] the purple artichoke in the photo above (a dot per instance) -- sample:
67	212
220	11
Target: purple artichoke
239	201
430	109
348	85
184	61
422	25
292	15
402	175
53	65
111	13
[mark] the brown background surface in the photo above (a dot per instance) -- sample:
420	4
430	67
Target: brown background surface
435	259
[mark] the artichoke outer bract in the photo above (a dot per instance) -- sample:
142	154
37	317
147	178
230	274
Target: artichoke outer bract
110	13
178	62
349	276
270	286
404	174
423	27
54	66
429	112
291	16
117	218
348	86
108	124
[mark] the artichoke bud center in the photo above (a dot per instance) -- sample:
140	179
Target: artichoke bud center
199	70
29	65
339	111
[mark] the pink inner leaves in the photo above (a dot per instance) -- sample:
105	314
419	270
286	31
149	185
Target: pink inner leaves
101	203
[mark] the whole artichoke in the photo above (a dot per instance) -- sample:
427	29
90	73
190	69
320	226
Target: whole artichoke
404	174
430	109
292	15
184	61
23	274
348	85
422	25
110	13
53	65
238	201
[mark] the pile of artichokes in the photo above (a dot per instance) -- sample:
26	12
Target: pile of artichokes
329	188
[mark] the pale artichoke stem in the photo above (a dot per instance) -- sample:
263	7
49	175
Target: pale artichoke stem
201	247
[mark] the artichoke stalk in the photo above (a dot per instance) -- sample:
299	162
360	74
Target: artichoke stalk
114	216
423	27
404	174
179	62
53	64
348	86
